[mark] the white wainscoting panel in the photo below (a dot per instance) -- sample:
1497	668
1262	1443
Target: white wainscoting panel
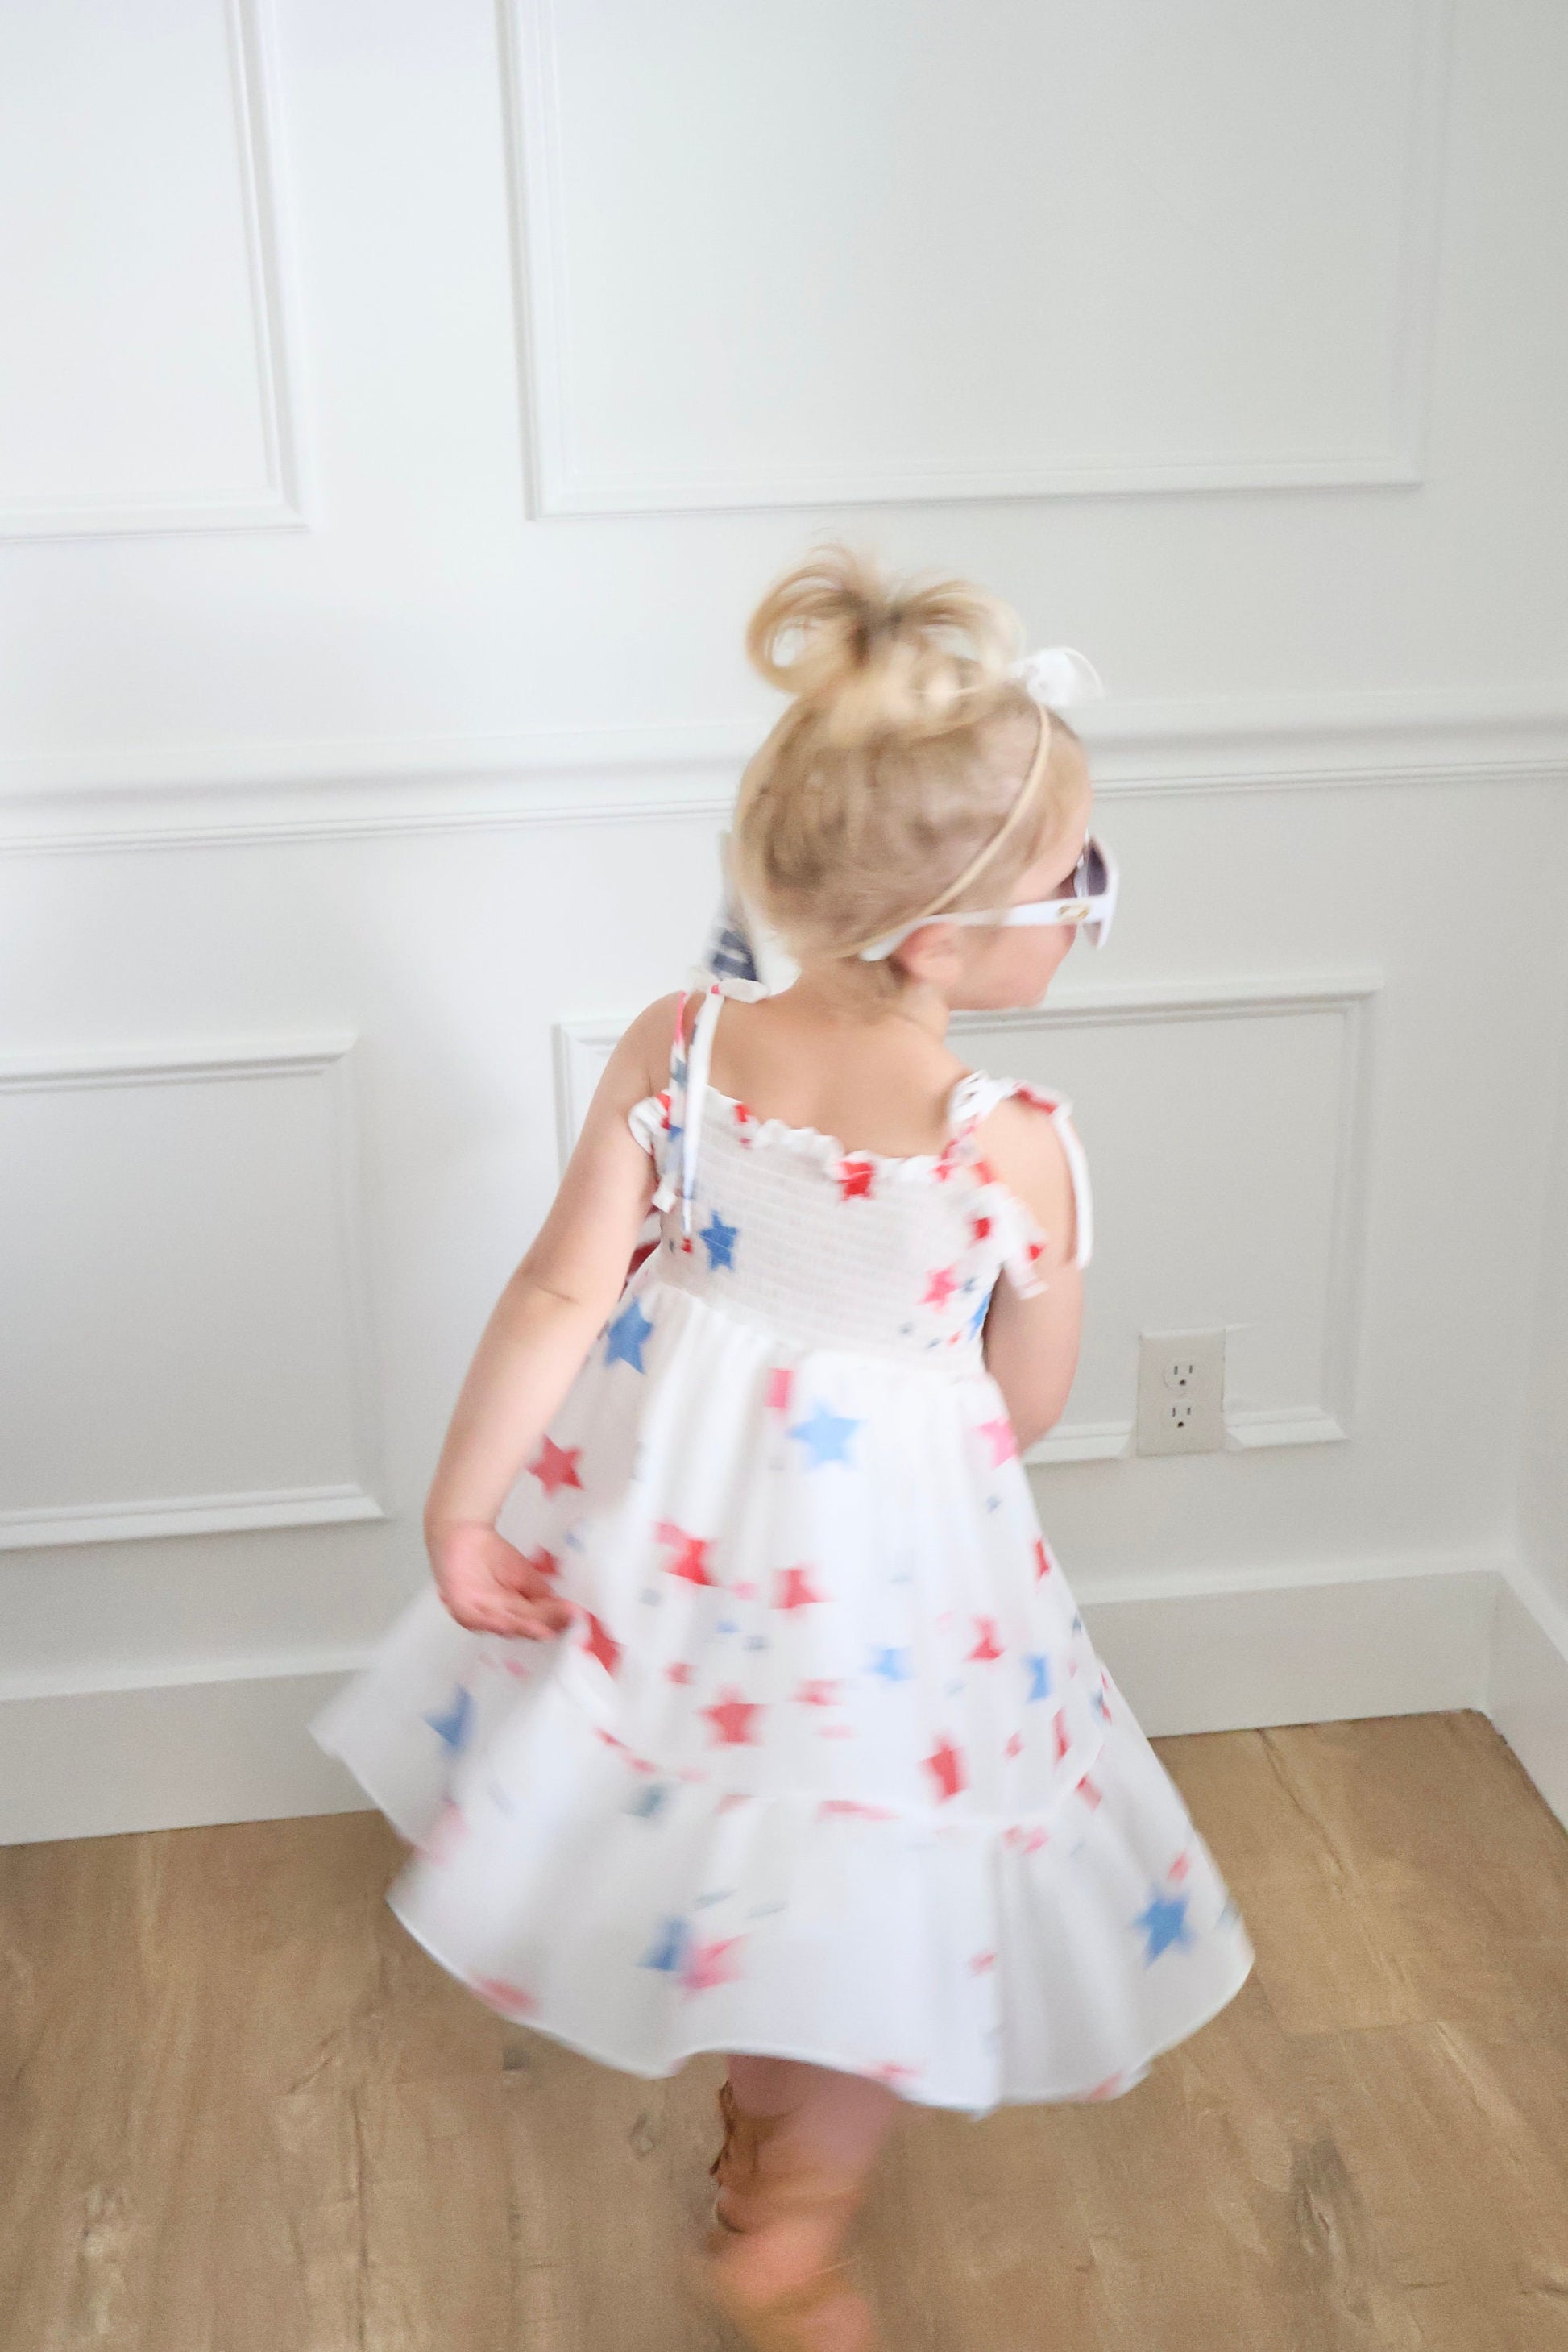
139	211
915	251
185	1315
1254	1096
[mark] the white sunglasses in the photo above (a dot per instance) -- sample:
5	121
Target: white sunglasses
1089	897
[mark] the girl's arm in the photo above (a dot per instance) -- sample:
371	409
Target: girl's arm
533	1346
1031	1344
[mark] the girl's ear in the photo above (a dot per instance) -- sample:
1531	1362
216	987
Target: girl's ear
931	954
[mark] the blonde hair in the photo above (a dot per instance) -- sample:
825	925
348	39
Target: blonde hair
900	758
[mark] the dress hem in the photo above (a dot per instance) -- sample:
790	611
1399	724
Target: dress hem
1135	2068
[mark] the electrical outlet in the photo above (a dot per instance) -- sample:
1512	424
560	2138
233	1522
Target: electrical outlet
1181	1392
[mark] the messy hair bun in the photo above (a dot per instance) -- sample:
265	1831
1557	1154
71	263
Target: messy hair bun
904	748
874	660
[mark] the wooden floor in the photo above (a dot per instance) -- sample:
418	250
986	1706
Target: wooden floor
243	2111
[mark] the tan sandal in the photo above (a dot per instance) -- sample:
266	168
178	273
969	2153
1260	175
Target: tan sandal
762	2179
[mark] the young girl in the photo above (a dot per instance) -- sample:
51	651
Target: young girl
750	1709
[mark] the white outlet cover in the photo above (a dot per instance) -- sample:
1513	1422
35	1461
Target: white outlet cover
1181	1392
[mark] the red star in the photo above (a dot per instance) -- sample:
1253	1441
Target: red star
980	1227
999	1436
983	1169
947	1765
691	1552
1178	1869
544	1562
986	1646
854	1179
556	1467
712	1964
745	1121
1039	1098
939	1288
601	1644
513	2000
821	1691
679	1672
730	1717
1045	1560
1015	1745
892	2075
781	1381
793	1589
851	1809
1088	1793
1060	1727
982	1962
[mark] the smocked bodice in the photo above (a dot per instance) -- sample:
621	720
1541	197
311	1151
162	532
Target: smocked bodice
852	1250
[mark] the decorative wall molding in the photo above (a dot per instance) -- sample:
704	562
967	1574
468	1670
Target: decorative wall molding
324	1058
560	485
245	793
248	38
1346	996
582	1048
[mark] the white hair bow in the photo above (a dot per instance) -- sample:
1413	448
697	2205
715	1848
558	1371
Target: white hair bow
1058	676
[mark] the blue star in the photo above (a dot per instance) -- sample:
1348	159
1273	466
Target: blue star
1164	1920
891	1664
825	1434
978	1317
648	1800
627	1333
668	1949
718	1240
1039	1667
455	1725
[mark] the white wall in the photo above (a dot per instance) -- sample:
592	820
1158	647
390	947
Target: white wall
402	420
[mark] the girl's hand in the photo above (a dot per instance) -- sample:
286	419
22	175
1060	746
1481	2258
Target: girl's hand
486	1583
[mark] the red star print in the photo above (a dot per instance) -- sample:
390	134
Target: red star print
514	1999
663	1099
544	1562
679	1672
1045	1560
732	1797
892	2075
781	1381
1178	1869
1059	1728
1015	1745
854	1179
1088	1793
448	1829
998	1435
793	1589
691	1552
712	1964
821	1691
556	1467
601	1644
745	1121
608	1736
982	1962
983	1169
730	1717
939	1288
851	1809
946	1765
980	1227
986	1646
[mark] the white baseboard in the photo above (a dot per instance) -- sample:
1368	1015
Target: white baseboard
1194	1654
1526	1684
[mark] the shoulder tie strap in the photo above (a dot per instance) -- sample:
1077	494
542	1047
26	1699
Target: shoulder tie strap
688	1085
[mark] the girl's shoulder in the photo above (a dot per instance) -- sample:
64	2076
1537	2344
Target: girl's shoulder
1026	1135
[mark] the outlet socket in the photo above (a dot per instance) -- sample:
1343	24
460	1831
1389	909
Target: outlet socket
1181	1392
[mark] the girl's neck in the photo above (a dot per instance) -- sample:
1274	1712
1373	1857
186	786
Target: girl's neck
825	990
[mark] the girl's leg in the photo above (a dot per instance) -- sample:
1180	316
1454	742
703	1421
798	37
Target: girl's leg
792	2204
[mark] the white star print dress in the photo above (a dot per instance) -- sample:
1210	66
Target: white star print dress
826	1766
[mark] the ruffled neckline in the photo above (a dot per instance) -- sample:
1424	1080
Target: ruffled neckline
830	1152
